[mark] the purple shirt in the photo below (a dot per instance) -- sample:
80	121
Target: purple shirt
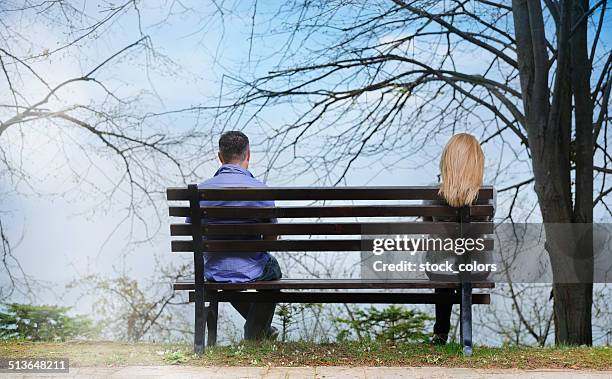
233	267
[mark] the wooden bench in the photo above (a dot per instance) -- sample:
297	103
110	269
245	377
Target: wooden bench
394	217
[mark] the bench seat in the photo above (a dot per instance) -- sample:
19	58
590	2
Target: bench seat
182	285
270	291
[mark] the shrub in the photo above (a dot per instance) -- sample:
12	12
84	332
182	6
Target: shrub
42	323
394	324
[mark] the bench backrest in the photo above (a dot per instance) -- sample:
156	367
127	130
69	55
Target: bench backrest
385	222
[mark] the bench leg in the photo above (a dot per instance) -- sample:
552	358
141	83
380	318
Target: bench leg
211	323
466	318
200	320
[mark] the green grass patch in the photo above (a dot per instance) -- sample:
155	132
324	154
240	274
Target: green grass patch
111	354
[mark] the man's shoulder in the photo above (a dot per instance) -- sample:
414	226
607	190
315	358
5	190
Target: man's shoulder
210	182
242	181
256	182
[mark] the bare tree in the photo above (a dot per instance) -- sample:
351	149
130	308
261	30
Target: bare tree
520	317
126	310
364	79
111	132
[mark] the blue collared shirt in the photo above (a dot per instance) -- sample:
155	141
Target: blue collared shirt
233	267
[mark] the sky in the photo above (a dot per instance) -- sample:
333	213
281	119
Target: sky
66	231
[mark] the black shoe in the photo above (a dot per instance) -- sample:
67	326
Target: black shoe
439	339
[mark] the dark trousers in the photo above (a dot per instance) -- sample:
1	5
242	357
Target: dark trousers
258	316
443	313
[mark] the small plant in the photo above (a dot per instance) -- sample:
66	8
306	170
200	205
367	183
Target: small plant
391	324
176	357
42	323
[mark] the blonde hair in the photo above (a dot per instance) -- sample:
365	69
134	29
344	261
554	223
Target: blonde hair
461	170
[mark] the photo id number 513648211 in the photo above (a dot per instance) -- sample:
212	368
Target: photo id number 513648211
34	365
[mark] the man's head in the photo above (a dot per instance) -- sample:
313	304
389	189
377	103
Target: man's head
234	148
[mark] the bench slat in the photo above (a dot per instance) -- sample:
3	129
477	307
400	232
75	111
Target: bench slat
245	246
449	229
320	193
185	285
408	210
340	297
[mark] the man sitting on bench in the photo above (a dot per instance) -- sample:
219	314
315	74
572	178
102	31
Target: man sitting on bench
234	154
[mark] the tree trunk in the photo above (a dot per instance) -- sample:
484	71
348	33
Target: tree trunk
548	123
573	301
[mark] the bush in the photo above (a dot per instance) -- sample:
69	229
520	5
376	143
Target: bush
393	324
42	323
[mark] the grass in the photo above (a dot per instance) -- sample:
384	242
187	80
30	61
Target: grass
111	354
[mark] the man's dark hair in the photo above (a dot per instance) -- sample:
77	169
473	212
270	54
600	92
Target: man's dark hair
233	146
